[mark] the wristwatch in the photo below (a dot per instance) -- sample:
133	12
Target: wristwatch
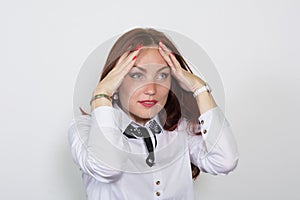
205	88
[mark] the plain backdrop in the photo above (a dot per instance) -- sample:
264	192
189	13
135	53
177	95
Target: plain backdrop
254	45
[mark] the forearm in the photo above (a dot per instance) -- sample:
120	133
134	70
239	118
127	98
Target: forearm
205	100
100	101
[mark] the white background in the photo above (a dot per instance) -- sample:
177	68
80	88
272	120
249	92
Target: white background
254	44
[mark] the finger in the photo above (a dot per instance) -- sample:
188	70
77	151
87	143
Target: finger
114	78
128	65
122	70
116	72
128	57
133	54
168	52
175	61
130	60
166	58
165	48
171	54
123	57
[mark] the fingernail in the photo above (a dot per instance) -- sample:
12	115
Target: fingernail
172	54
161	47
134	58
138	47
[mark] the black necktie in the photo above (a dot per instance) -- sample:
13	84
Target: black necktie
139	131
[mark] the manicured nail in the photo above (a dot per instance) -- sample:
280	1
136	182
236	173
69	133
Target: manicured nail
134	58
172	53
161	46
162	42
138	47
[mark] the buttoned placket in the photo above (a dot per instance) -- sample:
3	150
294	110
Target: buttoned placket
158	185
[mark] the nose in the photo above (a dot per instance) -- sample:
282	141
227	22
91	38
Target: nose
150	89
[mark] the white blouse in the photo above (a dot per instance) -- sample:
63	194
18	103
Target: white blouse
114	166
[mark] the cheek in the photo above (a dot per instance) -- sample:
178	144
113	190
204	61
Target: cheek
164	95
165	88
128	93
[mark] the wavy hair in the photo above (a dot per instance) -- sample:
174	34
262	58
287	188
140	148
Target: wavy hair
180	103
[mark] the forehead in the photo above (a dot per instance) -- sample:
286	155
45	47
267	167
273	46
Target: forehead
150	55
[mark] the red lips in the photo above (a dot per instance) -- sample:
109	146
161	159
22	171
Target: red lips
148	103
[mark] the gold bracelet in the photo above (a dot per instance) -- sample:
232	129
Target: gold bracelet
98	96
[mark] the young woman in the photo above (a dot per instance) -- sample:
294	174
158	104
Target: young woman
154	125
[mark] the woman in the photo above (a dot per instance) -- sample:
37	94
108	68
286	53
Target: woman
154	125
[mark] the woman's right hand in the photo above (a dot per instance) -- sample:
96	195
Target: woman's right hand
114	78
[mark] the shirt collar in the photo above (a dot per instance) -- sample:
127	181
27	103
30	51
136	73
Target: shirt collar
125	120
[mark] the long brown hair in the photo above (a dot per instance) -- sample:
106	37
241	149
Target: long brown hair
180	103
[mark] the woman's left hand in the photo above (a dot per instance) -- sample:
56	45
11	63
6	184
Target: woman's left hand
187	80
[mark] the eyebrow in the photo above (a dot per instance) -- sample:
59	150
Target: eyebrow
145	70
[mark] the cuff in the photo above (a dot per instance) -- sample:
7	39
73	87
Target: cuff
211	125
105	116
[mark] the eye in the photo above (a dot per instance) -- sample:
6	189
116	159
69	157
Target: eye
162	76
136	75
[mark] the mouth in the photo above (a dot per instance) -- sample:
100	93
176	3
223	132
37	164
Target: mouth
148	103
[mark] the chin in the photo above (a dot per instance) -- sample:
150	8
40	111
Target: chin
144	115
149	113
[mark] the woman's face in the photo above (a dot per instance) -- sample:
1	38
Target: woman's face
144	90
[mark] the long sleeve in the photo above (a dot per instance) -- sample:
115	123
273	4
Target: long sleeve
91	139
215	151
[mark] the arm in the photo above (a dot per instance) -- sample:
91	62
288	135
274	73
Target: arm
214	151
90	138
218	154
94	138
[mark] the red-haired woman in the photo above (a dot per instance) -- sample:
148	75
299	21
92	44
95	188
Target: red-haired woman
154	125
